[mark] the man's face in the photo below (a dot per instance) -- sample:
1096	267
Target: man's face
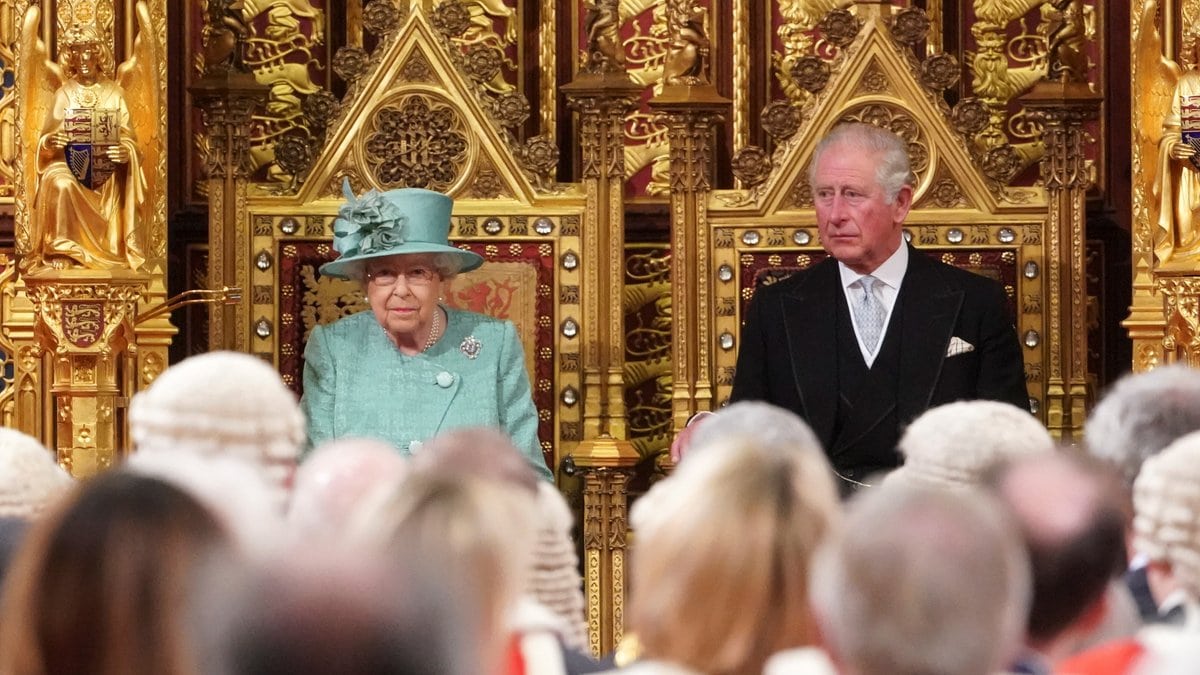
857	225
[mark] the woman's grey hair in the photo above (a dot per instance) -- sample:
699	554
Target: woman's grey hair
1142	414
894	170
765	423
447	266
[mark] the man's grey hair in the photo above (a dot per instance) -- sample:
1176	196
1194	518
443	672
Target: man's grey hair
922	582
1142	414
894	170
766	424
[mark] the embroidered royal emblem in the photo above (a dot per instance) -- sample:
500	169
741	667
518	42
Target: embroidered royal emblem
471	346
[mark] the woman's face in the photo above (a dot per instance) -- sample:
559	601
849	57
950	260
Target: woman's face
403	292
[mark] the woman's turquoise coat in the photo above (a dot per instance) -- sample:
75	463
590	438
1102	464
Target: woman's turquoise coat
357	383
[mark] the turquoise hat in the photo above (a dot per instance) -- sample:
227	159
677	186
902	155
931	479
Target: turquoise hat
396	222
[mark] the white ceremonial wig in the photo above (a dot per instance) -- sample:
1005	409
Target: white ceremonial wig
953	445
222	403
1166	505
30	479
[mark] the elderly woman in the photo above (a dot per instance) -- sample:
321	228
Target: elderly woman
412	367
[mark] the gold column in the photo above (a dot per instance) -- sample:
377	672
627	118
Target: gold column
1064	106
692	111
1145	321
602	94
226	99
84	324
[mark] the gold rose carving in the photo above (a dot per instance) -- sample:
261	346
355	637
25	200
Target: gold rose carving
416	142
799	18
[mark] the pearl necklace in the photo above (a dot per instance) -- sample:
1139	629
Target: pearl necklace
435	331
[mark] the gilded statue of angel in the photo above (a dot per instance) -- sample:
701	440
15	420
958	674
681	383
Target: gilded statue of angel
96	144
1166	123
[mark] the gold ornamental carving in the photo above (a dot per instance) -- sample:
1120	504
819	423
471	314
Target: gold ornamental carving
84	324
1181	306
602	30
688	49
1165	202
416	141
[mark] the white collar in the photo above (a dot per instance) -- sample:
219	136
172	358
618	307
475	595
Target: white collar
891	272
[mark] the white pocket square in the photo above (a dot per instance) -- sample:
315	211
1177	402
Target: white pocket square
959	346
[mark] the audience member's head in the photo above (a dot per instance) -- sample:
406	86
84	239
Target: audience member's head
757	422
1069	511
720	565
103	582
922	581
30	478
333	614
767	424
475	534
479	452
953	445
12	533
222	403
337	480
233	489
552	579
1166	524
1142	414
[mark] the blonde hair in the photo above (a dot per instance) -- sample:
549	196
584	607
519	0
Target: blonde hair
475	535
720	567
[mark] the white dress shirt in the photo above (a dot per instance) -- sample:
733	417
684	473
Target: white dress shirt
890	275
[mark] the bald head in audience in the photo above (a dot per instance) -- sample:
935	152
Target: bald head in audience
922	582
1069	510
337	480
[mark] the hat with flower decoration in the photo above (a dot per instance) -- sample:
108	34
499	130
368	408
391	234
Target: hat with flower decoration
396	222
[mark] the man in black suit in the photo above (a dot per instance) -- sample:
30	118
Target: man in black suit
864	341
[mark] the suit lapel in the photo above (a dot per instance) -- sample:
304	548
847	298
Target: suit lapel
930	314
809	320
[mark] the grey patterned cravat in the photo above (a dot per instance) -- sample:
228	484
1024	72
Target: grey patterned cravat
868	313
